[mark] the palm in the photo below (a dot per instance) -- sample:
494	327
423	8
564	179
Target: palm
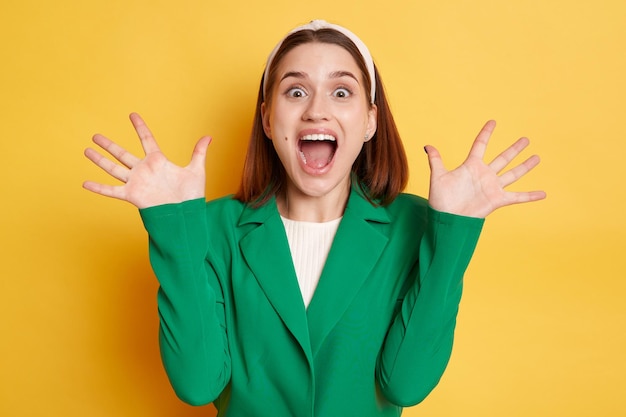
152	180
475	188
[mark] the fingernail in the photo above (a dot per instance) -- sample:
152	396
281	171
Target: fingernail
425	150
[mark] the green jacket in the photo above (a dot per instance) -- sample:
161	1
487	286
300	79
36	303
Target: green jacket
376	336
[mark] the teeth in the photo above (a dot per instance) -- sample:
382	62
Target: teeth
318	136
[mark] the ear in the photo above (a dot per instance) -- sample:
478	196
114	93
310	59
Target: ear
265	118
372	117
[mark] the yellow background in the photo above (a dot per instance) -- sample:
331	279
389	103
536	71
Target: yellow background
542	324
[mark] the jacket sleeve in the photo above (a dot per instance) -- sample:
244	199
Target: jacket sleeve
419	342
192	332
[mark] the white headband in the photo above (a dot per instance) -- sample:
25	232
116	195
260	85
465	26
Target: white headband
316	25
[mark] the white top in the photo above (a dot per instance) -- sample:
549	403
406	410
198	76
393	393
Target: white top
309	243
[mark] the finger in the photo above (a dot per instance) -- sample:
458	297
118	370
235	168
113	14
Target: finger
502	160
113	169
525	197
198	157
105	190
435	161
480	143
115	150
519	171
148	142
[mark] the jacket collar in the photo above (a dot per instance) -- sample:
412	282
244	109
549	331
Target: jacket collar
356	248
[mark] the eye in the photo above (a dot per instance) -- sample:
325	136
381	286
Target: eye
342	92
296	92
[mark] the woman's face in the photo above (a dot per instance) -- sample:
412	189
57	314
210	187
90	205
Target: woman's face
319	118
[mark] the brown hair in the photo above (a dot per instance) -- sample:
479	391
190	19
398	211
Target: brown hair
381	167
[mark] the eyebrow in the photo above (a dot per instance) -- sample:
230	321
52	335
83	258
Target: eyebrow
334	74
339	74
295	74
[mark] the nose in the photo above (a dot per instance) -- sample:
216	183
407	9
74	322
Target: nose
316	108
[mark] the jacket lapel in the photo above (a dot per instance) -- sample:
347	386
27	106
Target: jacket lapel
266	250
357	246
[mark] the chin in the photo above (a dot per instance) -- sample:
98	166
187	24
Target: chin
320	187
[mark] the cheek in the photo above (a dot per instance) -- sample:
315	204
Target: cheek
279	119
357	117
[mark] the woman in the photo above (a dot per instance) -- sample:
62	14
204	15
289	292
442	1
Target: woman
319	289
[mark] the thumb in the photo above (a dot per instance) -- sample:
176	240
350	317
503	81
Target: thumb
434	161
198	157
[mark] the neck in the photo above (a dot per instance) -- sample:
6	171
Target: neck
295	205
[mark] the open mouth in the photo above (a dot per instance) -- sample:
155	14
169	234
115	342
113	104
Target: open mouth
317	150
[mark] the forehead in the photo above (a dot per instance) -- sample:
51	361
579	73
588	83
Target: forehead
317	56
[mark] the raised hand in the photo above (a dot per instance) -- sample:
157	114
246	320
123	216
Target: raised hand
152	180
475	188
